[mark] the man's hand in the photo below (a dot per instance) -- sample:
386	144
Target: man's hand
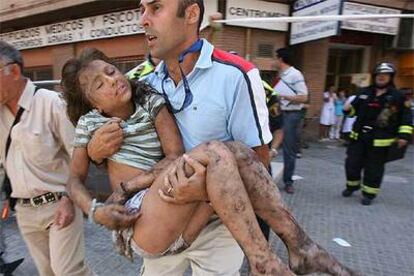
212	18
106	141
115	217
64	214
181	187
402	143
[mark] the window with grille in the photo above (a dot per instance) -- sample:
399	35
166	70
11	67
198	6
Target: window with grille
41	74
124	65
265	50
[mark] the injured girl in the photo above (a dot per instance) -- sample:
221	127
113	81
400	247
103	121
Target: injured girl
236	184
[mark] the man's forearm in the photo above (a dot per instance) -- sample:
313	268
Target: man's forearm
94	154
298	99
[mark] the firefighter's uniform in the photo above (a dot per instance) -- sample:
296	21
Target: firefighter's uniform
141	70
381	121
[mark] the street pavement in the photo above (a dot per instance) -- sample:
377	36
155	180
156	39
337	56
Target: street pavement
380	236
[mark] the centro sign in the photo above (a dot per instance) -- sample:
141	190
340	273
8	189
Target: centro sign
257	9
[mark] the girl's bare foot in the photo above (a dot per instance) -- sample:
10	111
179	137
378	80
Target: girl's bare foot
316	259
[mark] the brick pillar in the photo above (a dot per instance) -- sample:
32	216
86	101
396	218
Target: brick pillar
314	64
312	59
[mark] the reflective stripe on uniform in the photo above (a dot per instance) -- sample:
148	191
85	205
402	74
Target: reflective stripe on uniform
352	112
370	190
267	86
354	183
383	142
354	135
406	129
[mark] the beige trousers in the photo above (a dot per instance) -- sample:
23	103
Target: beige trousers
213	253
55	252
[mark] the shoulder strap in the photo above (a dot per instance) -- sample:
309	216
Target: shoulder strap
15	122
288	85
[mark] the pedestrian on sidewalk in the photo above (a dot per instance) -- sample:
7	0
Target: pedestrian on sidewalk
336	129
291	108
35	149
327	119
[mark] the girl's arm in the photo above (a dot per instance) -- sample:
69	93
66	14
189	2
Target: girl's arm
76	188
111	216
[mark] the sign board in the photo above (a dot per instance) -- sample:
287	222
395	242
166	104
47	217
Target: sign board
122	23
312	30
91	28
361	80
237	9
383	25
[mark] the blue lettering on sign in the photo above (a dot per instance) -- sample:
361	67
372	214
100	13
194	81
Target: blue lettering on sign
302	4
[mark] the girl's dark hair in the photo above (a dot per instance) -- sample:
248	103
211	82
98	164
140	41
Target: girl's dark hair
77	102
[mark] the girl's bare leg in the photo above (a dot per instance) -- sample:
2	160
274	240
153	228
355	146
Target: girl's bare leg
305	256
197	222
161	223
231	202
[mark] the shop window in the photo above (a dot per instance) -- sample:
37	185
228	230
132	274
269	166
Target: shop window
41	74
342	65
125	65
265	50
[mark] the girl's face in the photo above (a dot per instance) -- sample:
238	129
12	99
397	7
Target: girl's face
105	86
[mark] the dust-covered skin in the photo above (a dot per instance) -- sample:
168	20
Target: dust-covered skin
305	256
231	202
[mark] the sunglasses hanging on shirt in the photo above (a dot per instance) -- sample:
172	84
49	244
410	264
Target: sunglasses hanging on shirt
196	47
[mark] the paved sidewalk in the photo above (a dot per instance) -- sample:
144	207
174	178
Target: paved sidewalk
381	235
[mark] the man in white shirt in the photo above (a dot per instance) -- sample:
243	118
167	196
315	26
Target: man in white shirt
291	107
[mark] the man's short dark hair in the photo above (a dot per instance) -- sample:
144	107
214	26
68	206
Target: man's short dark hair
10	54
184	4
285	55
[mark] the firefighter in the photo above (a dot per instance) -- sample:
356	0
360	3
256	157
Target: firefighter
383	118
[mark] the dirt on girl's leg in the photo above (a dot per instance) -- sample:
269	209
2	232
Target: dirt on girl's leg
305	256
230	201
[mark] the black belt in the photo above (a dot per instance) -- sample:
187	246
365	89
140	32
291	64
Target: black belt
42	199
299	110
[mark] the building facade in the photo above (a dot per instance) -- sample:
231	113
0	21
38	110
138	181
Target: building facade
50	32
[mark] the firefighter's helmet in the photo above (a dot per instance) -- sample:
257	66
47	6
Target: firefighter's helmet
385	68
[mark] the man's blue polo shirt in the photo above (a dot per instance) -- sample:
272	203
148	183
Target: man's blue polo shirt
228	100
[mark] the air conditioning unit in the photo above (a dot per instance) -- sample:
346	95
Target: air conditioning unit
405	38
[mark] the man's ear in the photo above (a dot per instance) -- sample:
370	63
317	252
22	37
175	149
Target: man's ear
192	14
15	71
